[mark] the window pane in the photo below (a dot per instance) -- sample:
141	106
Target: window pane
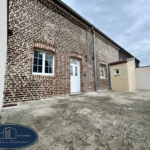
102	74
46	63
40	62
117	72
50	70
51	57
76	71
40	69
46	56
49	63
71	70
34	68
35	61
73	62
46	69
40	55
35	53
102	71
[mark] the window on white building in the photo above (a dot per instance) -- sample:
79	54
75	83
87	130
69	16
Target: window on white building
102	71
43	63
116	72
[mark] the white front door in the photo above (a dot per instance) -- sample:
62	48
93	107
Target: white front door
74	76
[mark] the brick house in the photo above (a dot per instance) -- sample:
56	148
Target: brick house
50	52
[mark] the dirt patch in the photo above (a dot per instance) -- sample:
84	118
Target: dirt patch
122	101
84	111
94	121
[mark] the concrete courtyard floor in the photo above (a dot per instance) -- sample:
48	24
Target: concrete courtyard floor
92	121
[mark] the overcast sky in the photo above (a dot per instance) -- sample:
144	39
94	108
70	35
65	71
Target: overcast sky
127	22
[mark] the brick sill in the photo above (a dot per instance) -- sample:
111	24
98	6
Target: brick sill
43	76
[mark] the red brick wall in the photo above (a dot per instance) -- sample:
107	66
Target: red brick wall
65	36
124	56
105	52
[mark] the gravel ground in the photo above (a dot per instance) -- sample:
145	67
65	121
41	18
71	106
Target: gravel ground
92	121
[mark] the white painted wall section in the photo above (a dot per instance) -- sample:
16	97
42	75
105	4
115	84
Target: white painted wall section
143	78
3	46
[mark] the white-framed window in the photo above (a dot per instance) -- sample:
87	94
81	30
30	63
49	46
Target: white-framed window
102	71
117	72
43	63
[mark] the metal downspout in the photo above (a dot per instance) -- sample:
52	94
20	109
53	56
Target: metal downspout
109	75
94	59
